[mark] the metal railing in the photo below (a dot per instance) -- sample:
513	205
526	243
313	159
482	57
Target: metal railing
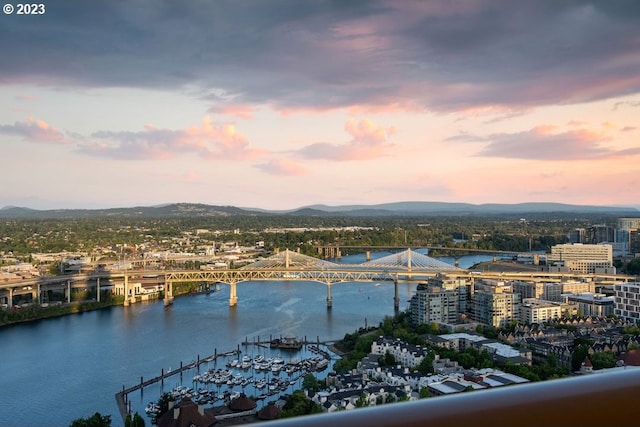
598	399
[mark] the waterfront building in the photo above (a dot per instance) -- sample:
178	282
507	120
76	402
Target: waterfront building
440	300
581	258
592	304
627	301
539	311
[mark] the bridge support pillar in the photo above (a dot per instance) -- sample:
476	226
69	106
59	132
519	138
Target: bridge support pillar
456	262
10	297
126	290
329	298
68	291
233	296
168	293
396	298
98	289
368	255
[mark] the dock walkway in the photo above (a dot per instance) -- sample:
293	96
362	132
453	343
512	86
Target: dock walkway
121	396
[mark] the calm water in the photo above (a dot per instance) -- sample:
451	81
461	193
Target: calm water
56	370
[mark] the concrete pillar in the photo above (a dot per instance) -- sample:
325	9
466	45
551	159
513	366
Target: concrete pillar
98	289
10	297
456	262
396	298
495	258
68	291
39	295
233	296
126	290
168	293
329	298
338	253
368	255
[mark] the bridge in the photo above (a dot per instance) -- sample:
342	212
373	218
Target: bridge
335	251
292	266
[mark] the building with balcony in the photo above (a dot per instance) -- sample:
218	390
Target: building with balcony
627	301
539	311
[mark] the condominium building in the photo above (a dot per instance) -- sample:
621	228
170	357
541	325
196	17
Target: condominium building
592	304
528	289
441	300
495	309
582	258
627	301
539	311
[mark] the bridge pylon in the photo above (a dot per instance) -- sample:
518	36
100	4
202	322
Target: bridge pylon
233	296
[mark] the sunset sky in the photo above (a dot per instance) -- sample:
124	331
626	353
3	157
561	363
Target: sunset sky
281	104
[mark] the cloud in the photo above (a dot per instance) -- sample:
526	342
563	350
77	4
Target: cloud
368	141
546	143
628	129
239	111
290	55
208	140
282	167
35	131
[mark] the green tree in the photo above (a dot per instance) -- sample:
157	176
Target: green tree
362	401
424	393
134	421
577	356
298	404
602	360
310	382
96	420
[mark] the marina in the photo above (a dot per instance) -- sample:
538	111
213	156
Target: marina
222	377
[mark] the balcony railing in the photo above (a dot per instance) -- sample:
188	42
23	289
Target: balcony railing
598	399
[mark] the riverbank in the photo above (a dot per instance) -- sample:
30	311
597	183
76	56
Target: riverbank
32	313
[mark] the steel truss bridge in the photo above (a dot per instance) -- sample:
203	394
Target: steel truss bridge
292	266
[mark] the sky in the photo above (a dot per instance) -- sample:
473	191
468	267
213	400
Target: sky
278	104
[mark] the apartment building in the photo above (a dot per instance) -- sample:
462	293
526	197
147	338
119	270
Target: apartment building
627	301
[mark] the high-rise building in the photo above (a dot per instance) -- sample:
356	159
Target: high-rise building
629	223
577	235
600	234
495	309
441	300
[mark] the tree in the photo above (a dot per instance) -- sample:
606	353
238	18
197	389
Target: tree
310	382
96	420
577	356
602	360
135	421
424	393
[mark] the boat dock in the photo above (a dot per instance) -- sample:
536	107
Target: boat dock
121	396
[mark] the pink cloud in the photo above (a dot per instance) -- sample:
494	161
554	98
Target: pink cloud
547	142
368	141
283	167
208	140
36	131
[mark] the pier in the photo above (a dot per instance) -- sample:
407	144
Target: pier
121	396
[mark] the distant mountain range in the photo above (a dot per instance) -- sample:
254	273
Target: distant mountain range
385	209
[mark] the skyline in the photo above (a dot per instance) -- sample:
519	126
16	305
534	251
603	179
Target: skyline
283	104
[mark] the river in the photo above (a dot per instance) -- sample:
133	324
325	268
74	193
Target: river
56	370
